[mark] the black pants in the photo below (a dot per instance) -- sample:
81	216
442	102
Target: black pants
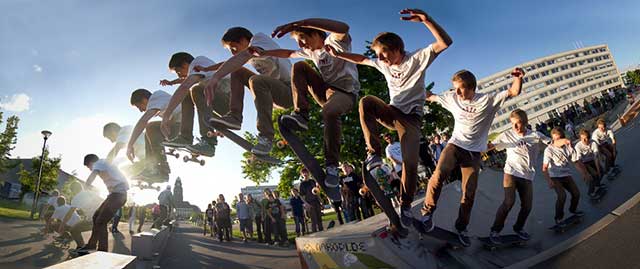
560	185
101	218
524	188
279	229
268	229
163	219
592	169
337	207
259	226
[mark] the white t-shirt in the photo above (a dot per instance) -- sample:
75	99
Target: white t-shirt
558	160
394	151
601	137
585	152
278	68
111	176
125	134
62	211
522	151
159	100
335	71
406	80
87	201
472	118
204	62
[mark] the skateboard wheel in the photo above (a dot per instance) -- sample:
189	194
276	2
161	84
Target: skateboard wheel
363	191
201	162
281	144
185	159
315	190
176	155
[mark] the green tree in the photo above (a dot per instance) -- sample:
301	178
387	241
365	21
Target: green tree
8	140
634	76
29	177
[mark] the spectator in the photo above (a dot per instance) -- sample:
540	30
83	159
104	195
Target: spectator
256	209
312	200
445	139
393	153
155	213
297	210
244	217
142	214
165	199
353	198
268	225
283	226
346	197
209	220
223	219
426	156
252	215
276	216
436	148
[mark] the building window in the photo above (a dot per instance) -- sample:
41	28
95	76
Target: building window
573	65
564	67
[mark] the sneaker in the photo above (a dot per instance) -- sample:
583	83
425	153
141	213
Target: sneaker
578	213
522	234
406	216
299	120
372	161
263	147
494	238
463	237
203	147
178	142
427	223
229	121
332	178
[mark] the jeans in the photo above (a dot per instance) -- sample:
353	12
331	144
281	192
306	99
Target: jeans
560	185
300	227
101	217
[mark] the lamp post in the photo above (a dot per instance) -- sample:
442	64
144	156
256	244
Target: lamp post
45	134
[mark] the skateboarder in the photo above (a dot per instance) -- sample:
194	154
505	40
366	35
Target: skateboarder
117	185
587	158
606	141
190	96
270	88
335	89
404	72
152	104
119	136
557	171
473	113
523	146
165	199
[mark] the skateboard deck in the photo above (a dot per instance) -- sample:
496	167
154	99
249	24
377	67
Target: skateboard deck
510	240
240	141
310	162
447	236
190	155
380	197
566	224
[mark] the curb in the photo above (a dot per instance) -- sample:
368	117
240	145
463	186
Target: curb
580	237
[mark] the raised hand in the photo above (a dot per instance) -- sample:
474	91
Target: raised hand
165	129
415	15
282	30
165	82
209	90
255	51
517	72
130	153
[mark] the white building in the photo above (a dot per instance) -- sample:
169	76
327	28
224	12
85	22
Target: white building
257	192
553	82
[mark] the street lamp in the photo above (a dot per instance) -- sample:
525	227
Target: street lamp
45	134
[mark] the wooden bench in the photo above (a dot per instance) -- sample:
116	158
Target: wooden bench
98	260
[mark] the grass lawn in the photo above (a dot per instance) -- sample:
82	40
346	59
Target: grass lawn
14	210
326	217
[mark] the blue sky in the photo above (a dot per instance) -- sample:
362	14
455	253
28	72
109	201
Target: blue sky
77	61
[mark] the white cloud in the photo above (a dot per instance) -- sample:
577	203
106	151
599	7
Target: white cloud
37	68
17	103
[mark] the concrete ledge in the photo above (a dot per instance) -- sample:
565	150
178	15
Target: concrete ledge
98	260
580	237
147	245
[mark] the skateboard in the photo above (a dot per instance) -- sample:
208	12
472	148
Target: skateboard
190	155
146	186
566	224
373	187
447	236
308	160
599	194
62	241
510	240
243	143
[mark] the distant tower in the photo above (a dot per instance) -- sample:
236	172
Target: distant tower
177	191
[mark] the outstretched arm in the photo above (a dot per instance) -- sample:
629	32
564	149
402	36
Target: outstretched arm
114	151
516	86
280	53
443	40
137	131
327	25
176	99
350	57
166	82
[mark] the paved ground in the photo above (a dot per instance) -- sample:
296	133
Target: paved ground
23	247
188	248
616	246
